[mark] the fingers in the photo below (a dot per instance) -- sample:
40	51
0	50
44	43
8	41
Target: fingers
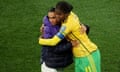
82	29
42	28
75	42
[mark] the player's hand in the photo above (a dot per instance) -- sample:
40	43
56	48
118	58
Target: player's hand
41	36
83	29
42	28
75	43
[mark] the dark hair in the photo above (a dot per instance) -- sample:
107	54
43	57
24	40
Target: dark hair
52	9
88	28
64	6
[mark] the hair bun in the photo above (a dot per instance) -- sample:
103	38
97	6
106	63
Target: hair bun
64	6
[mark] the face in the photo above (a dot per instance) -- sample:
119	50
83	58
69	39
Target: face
52	18
60	16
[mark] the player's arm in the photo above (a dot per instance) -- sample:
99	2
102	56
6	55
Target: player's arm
50	42
85	28
56	39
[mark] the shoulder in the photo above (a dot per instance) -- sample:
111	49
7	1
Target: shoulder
45	18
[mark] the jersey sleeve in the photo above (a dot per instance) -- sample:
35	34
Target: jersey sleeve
64	30
50	42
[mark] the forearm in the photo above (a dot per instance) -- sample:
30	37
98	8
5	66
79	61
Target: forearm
50	42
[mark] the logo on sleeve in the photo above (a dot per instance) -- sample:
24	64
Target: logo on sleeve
62	29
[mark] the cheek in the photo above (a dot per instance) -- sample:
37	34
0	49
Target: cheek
53	21
50	20
62	17
57	16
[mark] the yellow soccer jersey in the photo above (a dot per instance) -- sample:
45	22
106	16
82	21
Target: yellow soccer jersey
71	28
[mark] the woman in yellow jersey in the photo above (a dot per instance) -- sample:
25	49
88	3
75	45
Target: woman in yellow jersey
86	53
